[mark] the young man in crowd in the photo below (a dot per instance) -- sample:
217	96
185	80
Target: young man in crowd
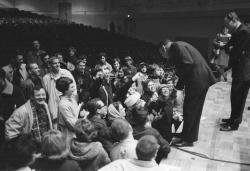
50	85
31	118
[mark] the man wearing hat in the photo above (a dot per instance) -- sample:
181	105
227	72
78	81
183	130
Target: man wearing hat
196	77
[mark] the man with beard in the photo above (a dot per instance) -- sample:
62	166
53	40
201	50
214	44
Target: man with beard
31	118
195	77
33	80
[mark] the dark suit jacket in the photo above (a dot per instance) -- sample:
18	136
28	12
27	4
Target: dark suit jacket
240	53
191	67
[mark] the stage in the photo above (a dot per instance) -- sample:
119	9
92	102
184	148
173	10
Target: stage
220	147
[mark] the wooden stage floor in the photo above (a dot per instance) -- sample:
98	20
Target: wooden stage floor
230	146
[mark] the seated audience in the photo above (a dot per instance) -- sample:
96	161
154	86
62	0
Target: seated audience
115	110
89	154
97	115
141	127
55	152
122	133
146	151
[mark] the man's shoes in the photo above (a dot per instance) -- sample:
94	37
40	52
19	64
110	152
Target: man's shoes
229	128
225	120
184	144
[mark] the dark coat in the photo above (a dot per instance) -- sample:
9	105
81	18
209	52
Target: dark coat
240	53
196	76
191	67
56	165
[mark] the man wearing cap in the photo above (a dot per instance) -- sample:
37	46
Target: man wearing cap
146	151
196	77
239	50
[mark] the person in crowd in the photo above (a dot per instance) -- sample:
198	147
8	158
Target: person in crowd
31	118
11	98
115	110
100	88
196	76
163	110
97	115
128	86
143	67
129	67
102	56
83	81
146	150
116	66
55	152
140	121
156	73
50	85
34	54
16	70
63	64
18	154
89	154
221	58
33	80
45	67
150	94
124	148
240	64
68	108
84	58
71	59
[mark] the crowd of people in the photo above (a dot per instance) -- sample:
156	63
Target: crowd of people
100	112
60	113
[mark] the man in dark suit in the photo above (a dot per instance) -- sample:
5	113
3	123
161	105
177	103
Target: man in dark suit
239	50
196	77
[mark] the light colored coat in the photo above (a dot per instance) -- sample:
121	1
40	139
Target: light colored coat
54	95
21	121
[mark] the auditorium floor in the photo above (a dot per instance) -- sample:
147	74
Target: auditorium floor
231	146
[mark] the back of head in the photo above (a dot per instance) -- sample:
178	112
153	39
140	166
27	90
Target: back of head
120	129
139	116
54	145
18	152
63	83
85	130
147	148
92	106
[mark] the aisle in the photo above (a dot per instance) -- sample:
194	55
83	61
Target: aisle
231	146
